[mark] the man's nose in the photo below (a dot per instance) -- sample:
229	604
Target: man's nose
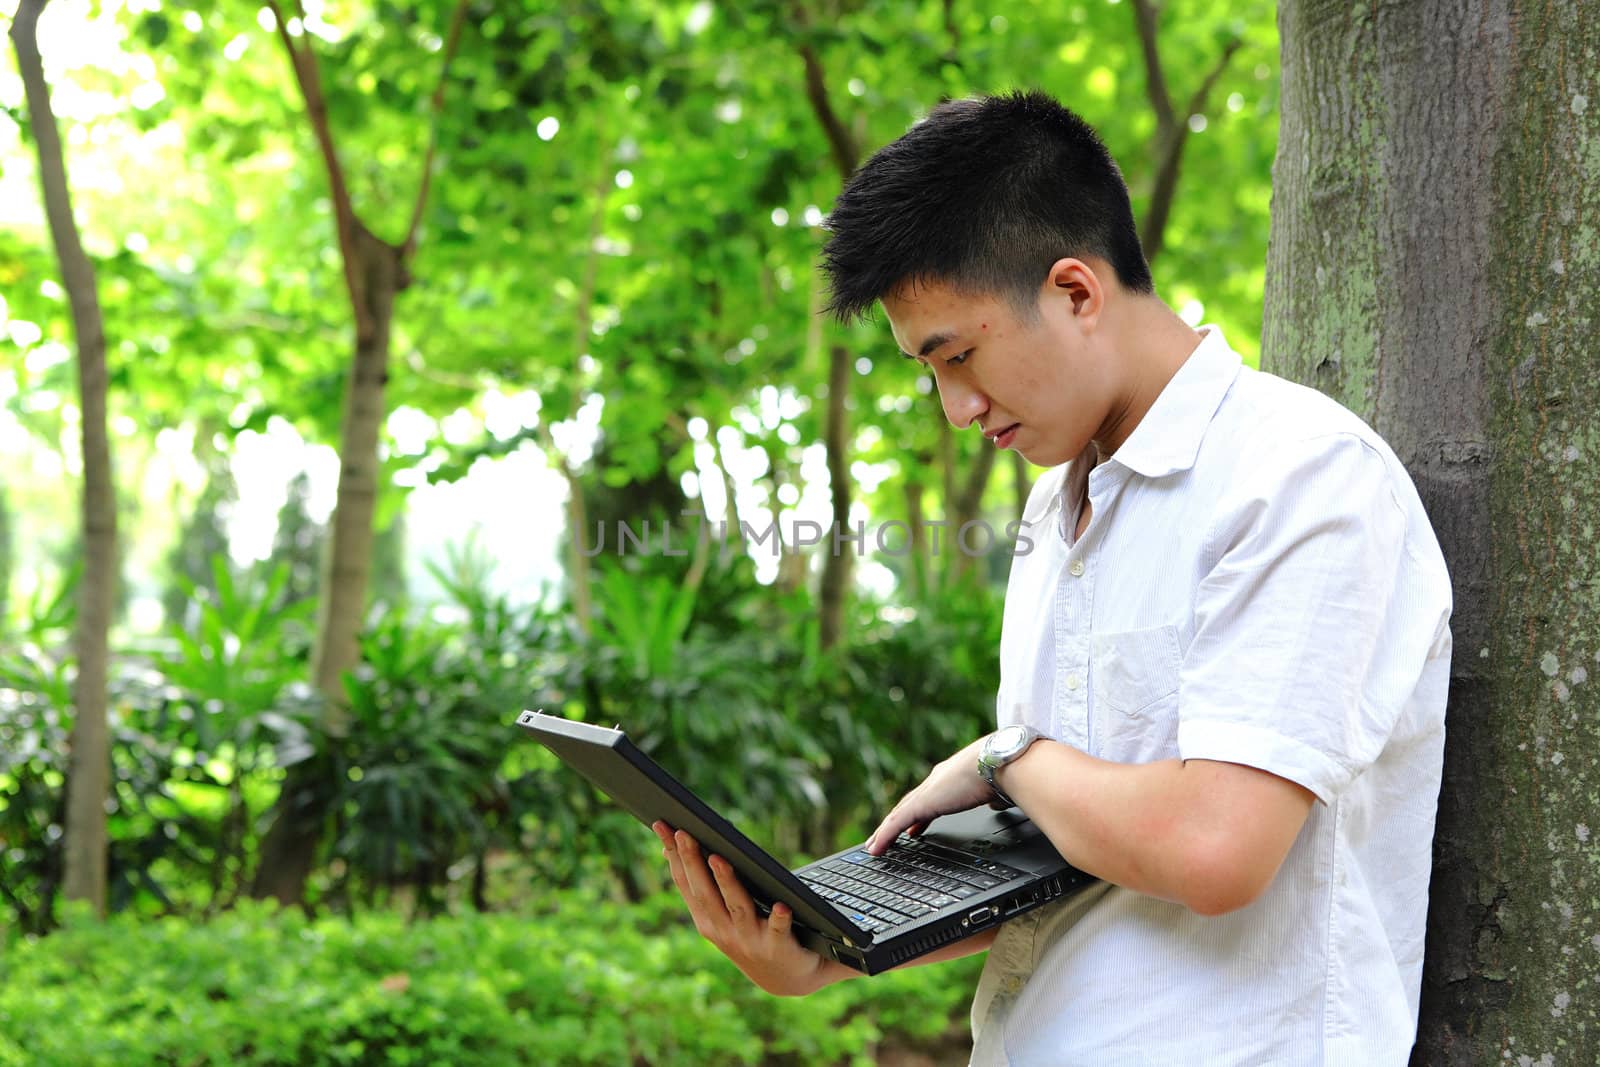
962	403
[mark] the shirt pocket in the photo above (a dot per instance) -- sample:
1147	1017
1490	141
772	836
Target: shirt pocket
1133	682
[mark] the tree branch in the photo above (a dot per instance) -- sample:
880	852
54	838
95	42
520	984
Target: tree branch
1146	18
452	40
952	30
304	64
1172	129
1197	102
840	143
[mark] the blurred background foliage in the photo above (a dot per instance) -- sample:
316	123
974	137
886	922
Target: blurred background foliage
612	302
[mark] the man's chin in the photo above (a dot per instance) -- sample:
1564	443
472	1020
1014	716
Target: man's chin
1040	456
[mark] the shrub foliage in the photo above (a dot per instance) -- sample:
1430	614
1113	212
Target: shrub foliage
576	981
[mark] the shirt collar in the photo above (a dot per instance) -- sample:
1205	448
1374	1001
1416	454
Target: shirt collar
1167	439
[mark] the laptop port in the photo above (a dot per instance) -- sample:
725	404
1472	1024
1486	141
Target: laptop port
978	915
1021	902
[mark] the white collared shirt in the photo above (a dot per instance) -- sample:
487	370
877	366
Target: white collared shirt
1258	584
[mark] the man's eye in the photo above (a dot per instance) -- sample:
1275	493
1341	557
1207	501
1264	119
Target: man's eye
956	361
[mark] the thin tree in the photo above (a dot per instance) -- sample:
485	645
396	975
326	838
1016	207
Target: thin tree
846	154
89	766
376	271
1434	260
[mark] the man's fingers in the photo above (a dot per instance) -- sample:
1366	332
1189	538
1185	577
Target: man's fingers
669	849
895	824
698	875
741	909
887	831
780	922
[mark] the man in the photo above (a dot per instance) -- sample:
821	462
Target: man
1229	642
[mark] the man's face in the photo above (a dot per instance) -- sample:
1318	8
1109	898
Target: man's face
1034	383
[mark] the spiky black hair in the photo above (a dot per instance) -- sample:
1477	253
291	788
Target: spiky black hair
984	194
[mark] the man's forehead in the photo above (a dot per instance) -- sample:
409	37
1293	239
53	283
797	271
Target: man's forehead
931	315
919	311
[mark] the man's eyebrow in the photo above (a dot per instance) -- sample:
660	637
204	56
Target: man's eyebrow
932	344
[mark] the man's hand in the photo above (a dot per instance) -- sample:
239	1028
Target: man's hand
764	949
953	785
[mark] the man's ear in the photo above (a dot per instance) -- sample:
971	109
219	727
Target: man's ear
1074	280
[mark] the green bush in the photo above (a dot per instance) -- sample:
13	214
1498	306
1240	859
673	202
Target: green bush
581	981
421	780
193	720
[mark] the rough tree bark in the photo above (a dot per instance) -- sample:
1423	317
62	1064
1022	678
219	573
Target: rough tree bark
89	765
1434	264
376	271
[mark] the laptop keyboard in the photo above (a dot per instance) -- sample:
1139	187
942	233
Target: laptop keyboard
913	878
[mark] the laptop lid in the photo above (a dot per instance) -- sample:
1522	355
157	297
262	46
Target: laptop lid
615	765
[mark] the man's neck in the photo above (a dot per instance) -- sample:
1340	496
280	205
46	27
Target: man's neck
1151	343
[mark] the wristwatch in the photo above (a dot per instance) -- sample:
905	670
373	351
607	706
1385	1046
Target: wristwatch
999	749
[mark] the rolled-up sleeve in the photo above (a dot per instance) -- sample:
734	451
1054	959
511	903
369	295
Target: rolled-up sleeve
1288	620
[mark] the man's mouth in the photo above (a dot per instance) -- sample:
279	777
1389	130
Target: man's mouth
1002	438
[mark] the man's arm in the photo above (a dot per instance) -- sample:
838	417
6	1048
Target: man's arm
1201	833
765	950
1208	835
1307	546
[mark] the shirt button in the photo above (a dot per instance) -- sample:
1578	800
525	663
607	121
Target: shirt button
1012	984
1073	681
1076	568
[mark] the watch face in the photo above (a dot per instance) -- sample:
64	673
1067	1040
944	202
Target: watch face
1006	740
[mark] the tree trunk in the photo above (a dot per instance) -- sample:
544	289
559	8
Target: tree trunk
792	567
1021	482
578	571
375	273
917	569
578	580
1434	260
837	567
968	506
963	500
344	586
89	766
838	554
288	850
732	532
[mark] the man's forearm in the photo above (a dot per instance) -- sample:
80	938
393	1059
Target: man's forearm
1203	834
